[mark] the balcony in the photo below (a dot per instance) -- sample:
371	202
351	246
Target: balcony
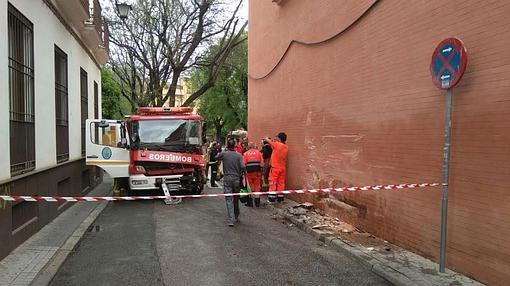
85	19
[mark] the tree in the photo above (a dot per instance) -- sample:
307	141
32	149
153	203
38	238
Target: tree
114	106
162	39
224	106
110	96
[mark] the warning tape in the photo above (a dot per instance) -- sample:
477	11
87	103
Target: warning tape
136	198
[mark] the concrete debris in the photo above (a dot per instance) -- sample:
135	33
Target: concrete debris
305	205
365	235
304	213
298	211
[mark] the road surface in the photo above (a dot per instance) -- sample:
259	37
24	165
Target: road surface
149	243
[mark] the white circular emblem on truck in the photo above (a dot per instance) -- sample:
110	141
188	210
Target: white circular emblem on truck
106	153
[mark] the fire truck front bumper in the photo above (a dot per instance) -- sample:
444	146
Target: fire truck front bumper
175	183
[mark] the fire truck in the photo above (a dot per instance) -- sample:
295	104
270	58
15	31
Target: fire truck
155	148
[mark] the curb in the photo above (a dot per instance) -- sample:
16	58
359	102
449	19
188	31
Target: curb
388	273
51	268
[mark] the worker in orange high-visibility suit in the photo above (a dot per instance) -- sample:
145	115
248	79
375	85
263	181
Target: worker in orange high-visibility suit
278	164
253	161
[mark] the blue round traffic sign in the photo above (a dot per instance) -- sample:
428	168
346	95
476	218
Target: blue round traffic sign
448	63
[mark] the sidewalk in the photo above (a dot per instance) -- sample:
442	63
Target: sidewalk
397	265
30	263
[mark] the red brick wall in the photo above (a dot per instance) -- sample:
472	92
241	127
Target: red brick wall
361	109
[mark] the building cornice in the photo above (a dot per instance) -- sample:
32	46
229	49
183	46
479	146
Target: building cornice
71	31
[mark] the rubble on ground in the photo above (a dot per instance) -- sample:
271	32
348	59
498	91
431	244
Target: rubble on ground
305	213
318	220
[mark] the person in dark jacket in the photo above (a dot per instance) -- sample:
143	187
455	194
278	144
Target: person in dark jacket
266	155
233	167
213	163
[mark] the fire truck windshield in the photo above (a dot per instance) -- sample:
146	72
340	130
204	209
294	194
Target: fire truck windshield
166	132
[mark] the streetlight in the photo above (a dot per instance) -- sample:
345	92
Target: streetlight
123	9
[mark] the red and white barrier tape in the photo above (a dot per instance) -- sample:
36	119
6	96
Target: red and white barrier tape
134	198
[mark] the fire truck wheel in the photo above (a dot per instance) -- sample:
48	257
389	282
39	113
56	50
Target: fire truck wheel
198	191
123	185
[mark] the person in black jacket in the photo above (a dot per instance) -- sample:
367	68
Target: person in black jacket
213	163
266	154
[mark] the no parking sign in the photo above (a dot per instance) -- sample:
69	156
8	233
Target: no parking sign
447	67
448	63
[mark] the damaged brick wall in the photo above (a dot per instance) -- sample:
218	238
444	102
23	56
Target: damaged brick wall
361	109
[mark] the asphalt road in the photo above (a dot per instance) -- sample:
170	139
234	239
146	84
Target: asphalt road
149	243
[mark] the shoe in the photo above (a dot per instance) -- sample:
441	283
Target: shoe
214	186
230	225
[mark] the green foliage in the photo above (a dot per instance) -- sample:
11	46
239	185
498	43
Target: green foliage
163	40
113	104
225	105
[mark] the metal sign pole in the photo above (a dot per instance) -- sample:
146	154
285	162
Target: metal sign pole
446	169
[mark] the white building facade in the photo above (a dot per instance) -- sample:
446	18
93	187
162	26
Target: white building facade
51	52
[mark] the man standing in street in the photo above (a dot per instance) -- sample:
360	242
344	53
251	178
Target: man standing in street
233	167
278	164
214	164
253	161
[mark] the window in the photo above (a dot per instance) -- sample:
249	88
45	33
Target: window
84	106
96	107
61	105
21	92
96	98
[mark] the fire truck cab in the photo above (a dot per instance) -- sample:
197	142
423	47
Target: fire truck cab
151	148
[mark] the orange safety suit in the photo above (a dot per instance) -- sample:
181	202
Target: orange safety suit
278	164
253	161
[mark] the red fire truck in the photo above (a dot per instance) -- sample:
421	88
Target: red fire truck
155	148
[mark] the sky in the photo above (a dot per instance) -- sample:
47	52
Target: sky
243	13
